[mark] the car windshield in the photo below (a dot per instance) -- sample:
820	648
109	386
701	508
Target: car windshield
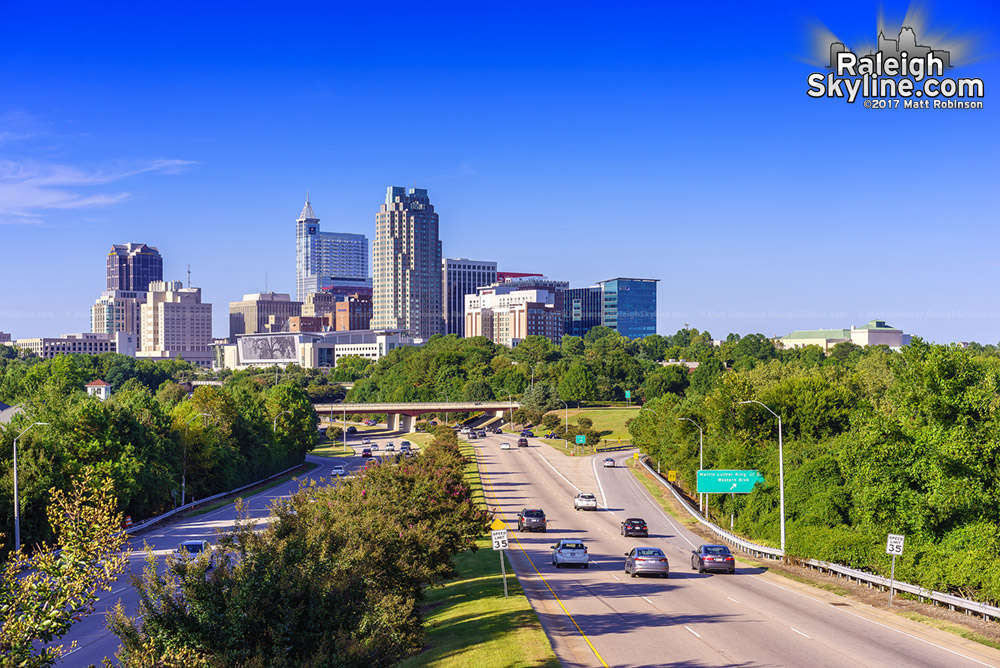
572	546
716	549
635	520
193	548
649	552
586	496
534	513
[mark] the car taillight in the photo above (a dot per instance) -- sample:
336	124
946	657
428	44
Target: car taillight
585	550
729	558
558	551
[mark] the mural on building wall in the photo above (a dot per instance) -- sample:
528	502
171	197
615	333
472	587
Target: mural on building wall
276	348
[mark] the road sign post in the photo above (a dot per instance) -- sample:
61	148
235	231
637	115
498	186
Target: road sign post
893	546
499	537
581	439
628	397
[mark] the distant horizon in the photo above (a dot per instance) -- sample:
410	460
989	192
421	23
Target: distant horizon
581	144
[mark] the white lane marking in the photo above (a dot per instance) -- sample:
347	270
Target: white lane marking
119	589
557	472
604	498
656	505
648	601
910	635
800	632
615	577
692	631
732	599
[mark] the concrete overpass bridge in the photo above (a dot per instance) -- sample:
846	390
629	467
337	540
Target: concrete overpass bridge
403	416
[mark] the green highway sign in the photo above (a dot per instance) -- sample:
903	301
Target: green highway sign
581	439
628	394
723	481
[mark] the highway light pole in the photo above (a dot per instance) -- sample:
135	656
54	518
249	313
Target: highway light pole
184	470
17	510
781	470
701	459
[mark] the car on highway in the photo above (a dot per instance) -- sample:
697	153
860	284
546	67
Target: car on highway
374	461
465	430
367	452
713	558
647	560
481	433
526	432
375	446
406	443
189	550
352	430
570	551
471	435
366	440
404	447
522	442
635	526
338	469
585	501
371	423
609	463
531	519
389	447
505	446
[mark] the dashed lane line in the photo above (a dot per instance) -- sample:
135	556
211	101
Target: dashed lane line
484	475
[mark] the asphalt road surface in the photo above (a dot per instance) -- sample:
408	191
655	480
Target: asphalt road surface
94	641
603	617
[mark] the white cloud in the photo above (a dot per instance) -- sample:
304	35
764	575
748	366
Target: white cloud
28	189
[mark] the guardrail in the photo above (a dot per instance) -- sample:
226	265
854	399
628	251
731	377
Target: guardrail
187	506
612	448
968	606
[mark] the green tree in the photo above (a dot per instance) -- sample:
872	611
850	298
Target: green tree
41	596
672	379
577	384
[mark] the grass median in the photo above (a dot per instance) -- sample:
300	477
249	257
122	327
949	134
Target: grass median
468	620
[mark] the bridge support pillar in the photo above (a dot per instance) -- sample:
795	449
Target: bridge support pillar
407	423
392	421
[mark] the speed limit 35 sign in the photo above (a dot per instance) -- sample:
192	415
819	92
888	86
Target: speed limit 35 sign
499	539
894	544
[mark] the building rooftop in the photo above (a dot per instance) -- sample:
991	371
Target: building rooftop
621	278
819	334
98	383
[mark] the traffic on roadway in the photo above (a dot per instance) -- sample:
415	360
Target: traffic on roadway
663	596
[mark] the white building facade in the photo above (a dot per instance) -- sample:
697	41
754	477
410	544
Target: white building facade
176	324
321	256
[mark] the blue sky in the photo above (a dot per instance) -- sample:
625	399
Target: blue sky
582	140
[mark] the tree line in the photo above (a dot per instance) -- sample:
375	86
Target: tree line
152	439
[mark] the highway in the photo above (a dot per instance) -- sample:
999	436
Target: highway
94	641
602	617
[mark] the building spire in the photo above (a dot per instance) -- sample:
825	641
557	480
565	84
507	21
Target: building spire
307	210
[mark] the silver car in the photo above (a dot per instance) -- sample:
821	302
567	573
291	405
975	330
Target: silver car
338	469
585	501
643	560
570	551
190	550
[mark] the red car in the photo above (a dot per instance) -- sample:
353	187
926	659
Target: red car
367	452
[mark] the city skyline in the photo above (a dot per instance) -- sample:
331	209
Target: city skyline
542	151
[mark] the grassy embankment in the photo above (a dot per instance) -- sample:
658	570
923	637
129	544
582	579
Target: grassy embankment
608	422
264	486
468	620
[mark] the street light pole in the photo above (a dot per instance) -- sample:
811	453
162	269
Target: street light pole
184	470
17	509
701	459
274	427
781	470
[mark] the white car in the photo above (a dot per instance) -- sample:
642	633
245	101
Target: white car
570	551
338	469
585	501
609	463
192	549
389	447
366	440
375	446
505	446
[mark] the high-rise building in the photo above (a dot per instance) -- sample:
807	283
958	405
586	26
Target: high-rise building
537	282
630	306
320	256
461	277
254	314
132	266
176	324
507	315
407	264
118	311
582	310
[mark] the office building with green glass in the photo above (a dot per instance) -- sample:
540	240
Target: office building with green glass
629	306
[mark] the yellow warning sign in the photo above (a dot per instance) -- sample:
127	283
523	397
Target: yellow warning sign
635	455
498	524
671	476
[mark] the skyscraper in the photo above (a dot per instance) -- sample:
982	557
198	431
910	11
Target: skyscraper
132	266
176	323
321	256
461	277
630	306
582	310
254	313
407	272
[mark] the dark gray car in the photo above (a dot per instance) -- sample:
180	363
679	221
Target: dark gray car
531	519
